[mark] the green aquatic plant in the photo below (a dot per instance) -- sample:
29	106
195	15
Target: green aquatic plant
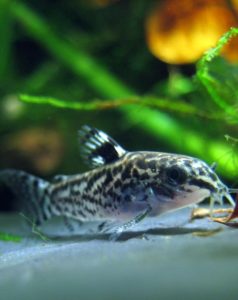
167	117
36	231
7	237
220	79
149	101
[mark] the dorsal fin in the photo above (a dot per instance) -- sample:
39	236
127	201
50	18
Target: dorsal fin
97	147
213	166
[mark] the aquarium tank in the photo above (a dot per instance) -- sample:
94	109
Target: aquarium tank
158	75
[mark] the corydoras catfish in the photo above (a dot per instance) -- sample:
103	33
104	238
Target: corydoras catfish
122	187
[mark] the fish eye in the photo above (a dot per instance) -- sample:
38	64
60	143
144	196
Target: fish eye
176	175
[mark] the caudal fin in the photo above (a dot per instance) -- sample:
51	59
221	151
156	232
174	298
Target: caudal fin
31	192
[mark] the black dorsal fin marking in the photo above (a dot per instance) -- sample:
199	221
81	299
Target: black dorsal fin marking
97	147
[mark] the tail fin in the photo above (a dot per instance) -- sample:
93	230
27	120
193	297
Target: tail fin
32	193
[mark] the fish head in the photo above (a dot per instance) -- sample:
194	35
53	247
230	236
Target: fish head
182	181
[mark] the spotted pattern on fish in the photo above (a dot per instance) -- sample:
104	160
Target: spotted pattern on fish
122	186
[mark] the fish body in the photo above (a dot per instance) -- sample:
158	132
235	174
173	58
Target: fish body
123	187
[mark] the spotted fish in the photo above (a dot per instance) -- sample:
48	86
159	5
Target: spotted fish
122	187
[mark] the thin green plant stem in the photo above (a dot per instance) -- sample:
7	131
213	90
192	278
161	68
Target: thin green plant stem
210	54
34	229
161	103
